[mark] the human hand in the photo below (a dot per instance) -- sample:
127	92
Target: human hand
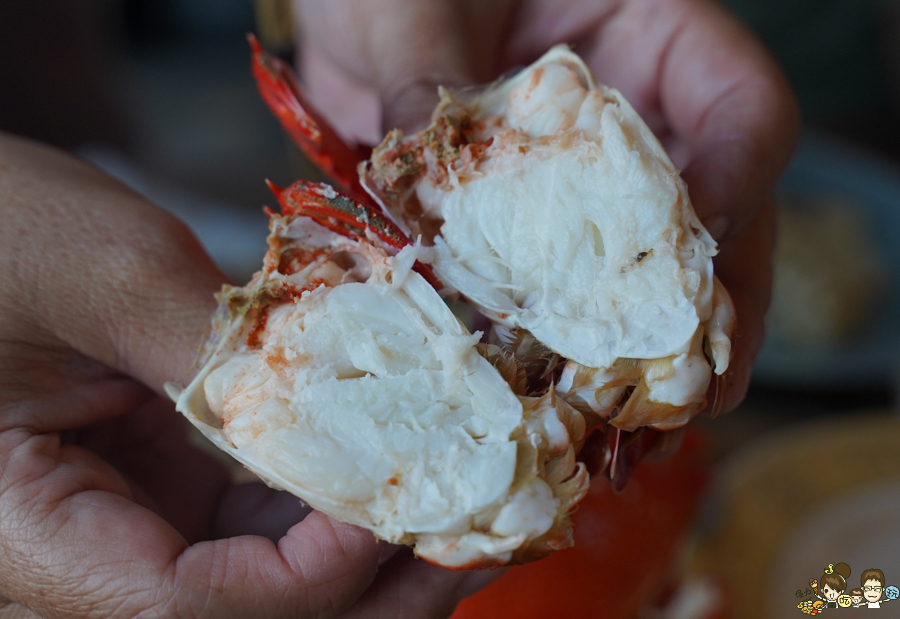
705	86
106	510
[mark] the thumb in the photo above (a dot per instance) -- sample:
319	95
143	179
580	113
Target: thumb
95	267
402	50
419	46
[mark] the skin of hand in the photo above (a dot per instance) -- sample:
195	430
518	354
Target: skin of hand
701	81
106	509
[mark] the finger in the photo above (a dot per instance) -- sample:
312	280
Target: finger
741	128
351	106
404	50
745	267
98	268
409	587
150	448
255	509
725	110
665	445
52	388
11	610
319	568
71	543
538	25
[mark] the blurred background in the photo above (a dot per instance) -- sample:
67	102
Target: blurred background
806	473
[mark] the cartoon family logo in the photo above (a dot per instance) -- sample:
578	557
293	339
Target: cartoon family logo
830	590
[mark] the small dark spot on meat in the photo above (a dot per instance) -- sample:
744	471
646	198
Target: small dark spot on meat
696	231
393	481
643	255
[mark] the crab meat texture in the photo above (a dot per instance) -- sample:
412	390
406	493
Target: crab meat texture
551	207
340	375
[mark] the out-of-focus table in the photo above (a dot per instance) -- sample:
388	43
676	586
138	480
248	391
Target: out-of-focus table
786	505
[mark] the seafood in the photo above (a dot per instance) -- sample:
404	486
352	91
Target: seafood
339	373
552	208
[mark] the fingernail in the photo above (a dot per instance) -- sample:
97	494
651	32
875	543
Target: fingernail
717	226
